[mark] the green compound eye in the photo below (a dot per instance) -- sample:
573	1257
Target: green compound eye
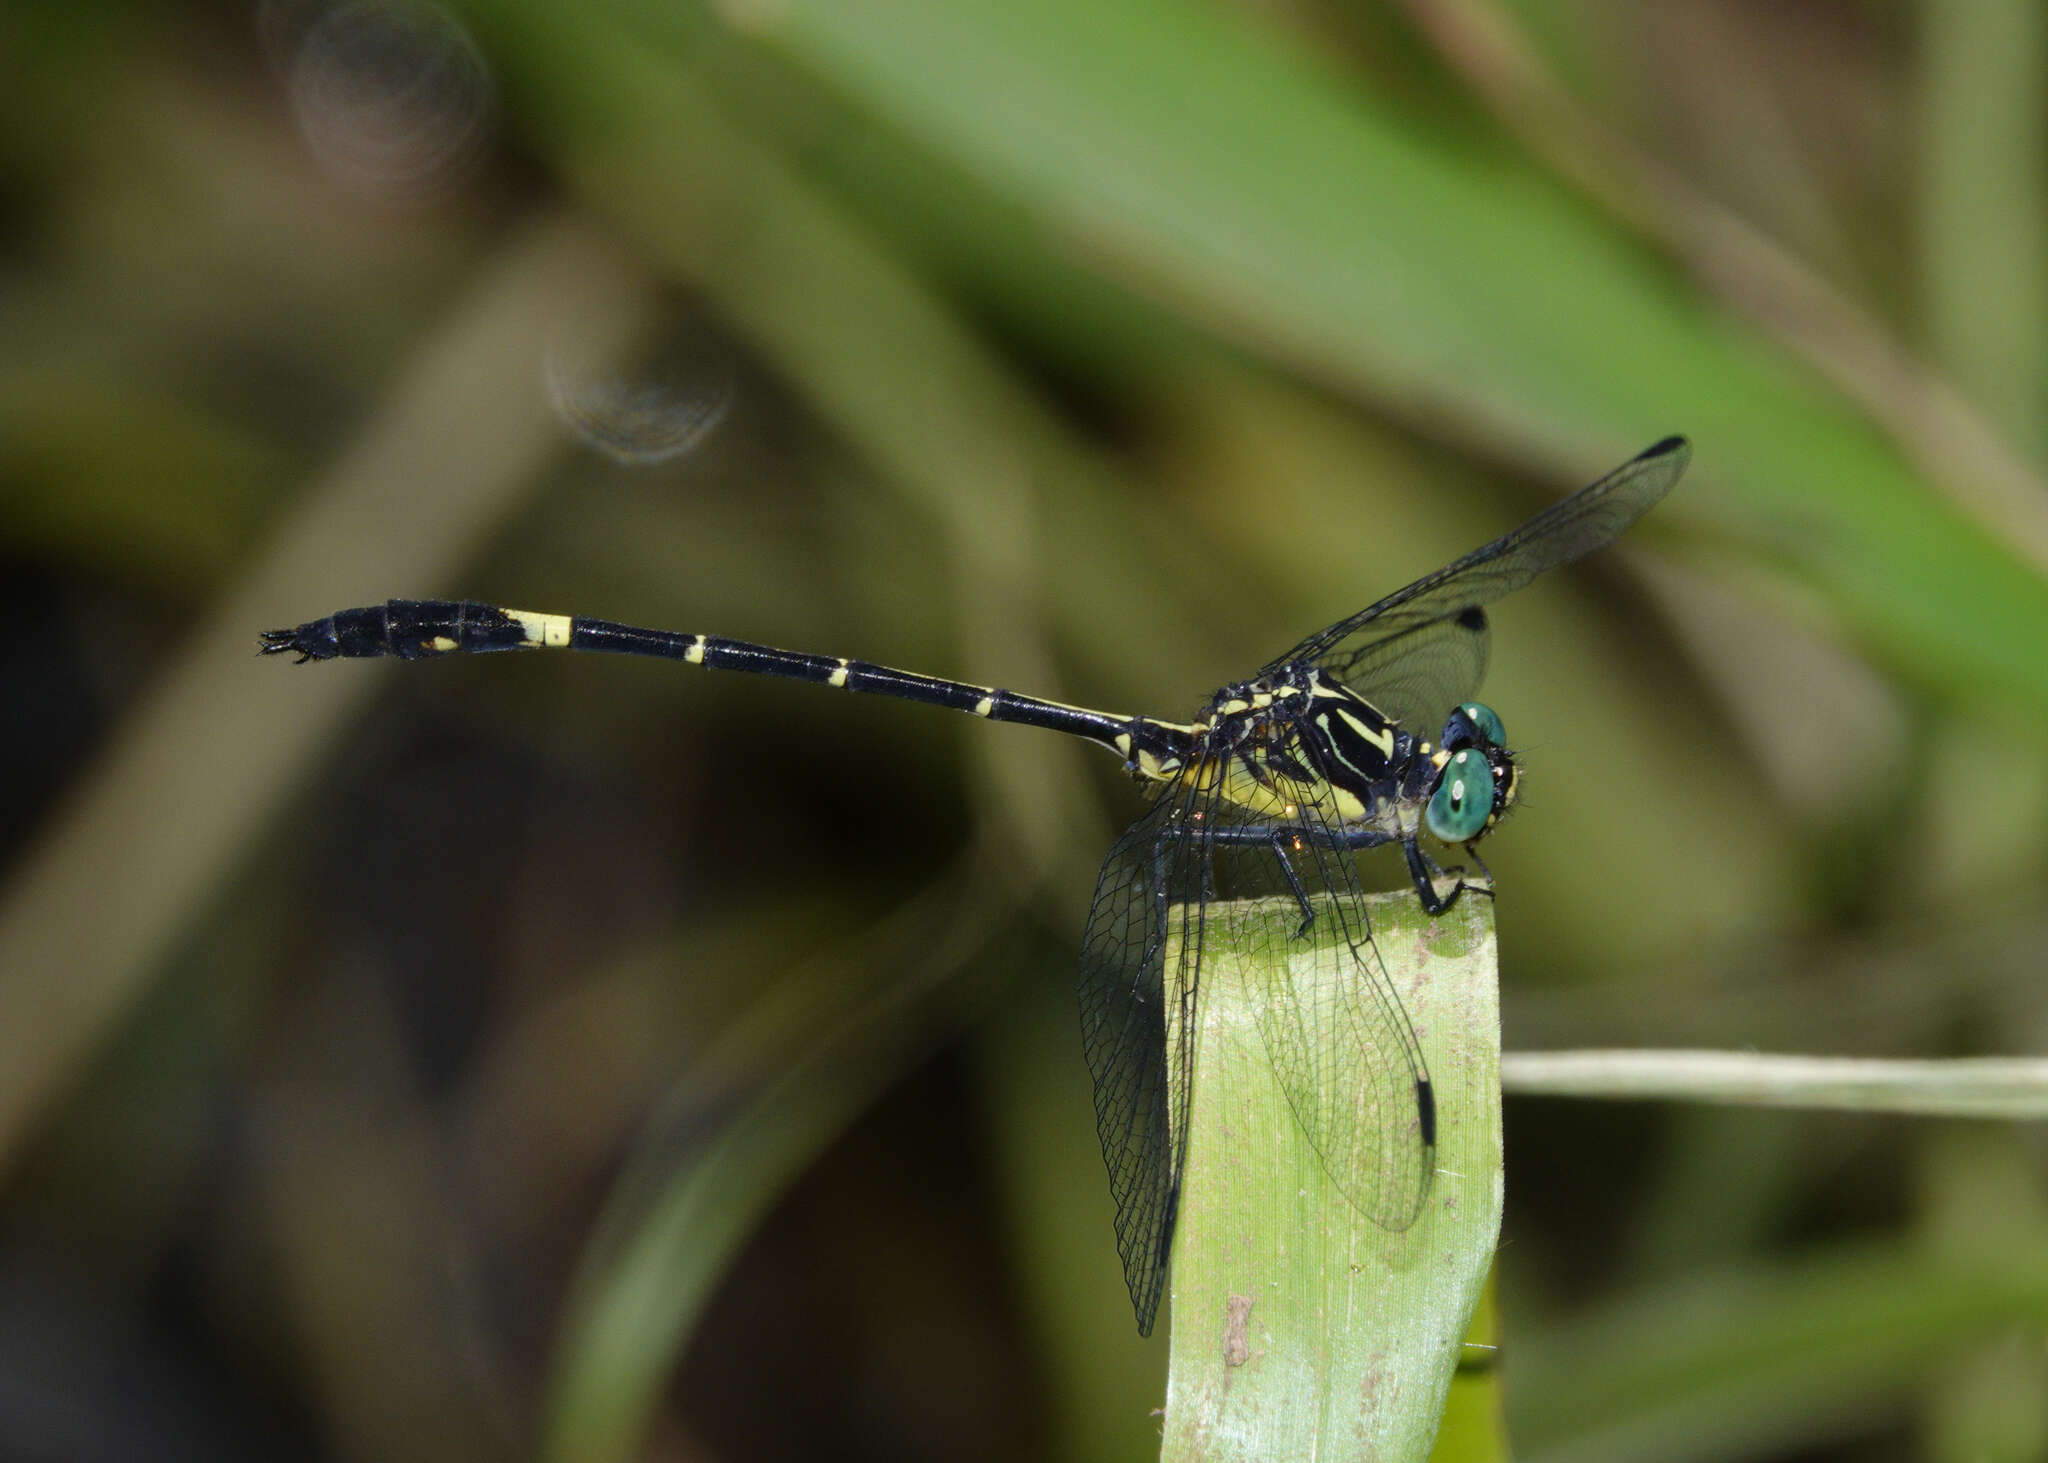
1487	721
1463	801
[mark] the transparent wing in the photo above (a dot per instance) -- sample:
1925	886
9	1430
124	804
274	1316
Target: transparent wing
1334	1027
1422	650
1189	884
1137	1020
1417	676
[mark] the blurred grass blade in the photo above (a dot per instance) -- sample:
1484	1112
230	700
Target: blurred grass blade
1979	1087
1983	229
222	739
1981	1190
829	1036
942	419
1759	1360
1300	1328
1208	165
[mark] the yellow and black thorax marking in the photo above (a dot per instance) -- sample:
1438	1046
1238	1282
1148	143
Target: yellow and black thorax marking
1296	738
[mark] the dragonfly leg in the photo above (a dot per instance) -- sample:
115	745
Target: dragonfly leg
1424	871
1155	935
1281	838
1484	873
1286	839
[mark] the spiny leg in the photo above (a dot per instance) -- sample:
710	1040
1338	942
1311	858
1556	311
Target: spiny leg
1280	839
1425	871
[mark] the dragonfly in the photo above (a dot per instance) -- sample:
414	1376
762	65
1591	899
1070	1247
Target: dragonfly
1269	794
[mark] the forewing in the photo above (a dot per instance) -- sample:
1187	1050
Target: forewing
1335	1029
1137	1023
1422	650
1416	677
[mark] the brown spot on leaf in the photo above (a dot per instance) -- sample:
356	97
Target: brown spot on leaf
1237	1345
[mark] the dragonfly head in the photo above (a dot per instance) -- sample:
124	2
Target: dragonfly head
1475	786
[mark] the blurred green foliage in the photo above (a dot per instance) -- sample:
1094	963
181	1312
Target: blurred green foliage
358	1018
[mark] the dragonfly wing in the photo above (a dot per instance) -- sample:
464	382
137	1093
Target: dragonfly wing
1416	677
1140	959
1422	649
1334	1027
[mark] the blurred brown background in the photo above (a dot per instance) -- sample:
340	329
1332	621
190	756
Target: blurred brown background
566	1057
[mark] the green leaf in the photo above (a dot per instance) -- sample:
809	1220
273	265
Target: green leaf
1475	1427
1300	1328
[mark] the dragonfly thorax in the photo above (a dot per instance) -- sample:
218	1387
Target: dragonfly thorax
1294	736
1299	736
